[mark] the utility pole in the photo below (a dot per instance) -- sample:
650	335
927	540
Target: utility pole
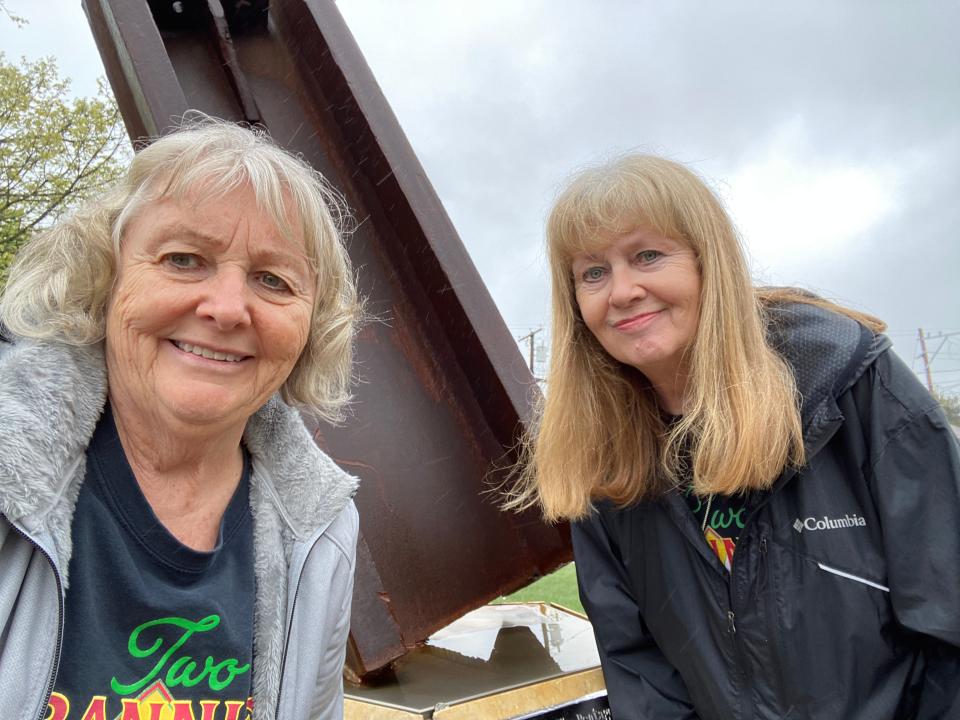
926	358
530	354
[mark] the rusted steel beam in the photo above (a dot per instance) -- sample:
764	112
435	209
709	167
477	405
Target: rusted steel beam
443	388
137	64
221	30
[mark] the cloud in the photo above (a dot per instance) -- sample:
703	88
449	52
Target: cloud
795	211
829	128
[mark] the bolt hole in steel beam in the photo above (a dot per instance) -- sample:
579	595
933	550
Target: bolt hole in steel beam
443	390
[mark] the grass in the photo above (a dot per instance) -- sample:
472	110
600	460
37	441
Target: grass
559	587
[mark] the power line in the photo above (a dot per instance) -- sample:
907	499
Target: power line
529	336
926	358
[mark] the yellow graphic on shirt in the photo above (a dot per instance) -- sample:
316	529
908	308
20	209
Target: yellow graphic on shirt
723	547
163	645
154	703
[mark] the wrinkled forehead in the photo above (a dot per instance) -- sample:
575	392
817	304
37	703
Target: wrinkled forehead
276	205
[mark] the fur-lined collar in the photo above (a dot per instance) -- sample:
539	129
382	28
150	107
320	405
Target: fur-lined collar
51	397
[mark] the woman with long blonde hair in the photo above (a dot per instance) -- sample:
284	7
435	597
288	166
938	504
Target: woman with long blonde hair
764	500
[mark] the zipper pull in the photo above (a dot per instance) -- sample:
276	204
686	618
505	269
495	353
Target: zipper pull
730	622
761	582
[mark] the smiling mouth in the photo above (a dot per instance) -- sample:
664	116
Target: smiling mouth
635	321
207	353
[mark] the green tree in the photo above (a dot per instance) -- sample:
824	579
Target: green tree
55	150
950	404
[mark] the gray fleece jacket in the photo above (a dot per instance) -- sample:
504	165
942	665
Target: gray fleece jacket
305	532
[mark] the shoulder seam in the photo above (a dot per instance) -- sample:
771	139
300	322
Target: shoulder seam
909	418
339	546
333	539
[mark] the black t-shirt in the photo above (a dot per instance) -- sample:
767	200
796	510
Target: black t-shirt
721	528
720	517
149	621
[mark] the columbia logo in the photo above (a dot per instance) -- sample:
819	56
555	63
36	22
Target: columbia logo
827	523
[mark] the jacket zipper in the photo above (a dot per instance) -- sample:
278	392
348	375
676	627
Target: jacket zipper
59	643
742	666
762	575
739	674
772	630
289	629
742	682
57	647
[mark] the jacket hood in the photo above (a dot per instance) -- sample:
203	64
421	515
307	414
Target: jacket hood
828	352
52	395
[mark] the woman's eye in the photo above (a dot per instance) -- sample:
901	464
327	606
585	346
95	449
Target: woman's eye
593	274
648	256
183	261
273	282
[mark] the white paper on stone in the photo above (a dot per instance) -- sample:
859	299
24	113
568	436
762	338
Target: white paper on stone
475	634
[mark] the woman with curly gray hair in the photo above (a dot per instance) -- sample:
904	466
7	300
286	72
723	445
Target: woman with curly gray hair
170	533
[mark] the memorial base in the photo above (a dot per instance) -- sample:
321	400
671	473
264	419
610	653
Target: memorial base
524	660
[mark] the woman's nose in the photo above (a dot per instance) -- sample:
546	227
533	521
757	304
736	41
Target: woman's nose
225	299
625	286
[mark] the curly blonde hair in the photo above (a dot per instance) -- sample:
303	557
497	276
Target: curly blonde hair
60	283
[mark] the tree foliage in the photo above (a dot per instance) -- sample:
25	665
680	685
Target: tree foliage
15	19
55	150
951	406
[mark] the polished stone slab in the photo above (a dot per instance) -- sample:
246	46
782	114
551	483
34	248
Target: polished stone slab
498	661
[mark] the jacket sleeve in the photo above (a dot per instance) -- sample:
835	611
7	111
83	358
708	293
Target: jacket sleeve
328	700
915	476
640	682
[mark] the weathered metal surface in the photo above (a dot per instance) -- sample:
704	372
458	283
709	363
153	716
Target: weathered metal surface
443	388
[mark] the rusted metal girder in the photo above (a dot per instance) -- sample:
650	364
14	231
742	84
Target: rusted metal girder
444	389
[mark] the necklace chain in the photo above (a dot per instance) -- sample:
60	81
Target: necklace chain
706	515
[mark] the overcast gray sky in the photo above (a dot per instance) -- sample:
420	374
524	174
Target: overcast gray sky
830	129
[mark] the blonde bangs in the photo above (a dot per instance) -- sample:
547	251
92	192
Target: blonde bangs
605	202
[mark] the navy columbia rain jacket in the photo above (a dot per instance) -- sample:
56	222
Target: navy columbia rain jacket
843	602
